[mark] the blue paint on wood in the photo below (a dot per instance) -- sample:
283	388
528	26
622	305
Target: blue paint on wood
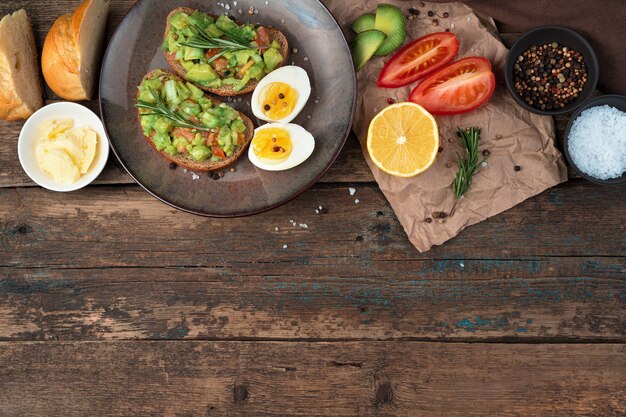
480	323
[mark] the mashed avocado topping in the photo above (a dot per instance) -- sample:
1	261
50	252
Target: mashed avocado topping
182	121
221	52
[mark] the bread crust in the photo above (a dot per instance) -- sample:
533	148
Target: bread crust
61	59
225	91
191	165
14	104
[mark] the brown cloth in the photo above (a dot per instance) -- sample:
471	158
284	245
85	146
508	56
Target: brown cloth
601	22
513	136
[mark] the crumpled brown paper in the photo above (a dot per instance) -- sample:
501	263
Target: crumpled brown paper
513	136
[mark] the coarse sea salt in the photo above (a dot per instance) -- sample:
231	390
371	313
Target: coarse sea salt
597	142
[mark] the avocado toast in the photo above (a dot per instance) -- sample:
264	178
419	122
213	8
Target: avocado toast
219	55
188	127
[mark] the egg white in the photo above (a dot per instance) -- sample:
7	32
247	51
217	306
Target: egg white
303	147
297	78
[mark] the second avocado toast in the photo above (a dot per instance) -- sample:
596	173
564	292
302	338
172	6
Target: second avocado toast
188	127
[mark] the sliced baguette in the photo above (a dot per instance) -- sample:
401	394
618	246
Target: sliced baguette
71	52
20	85
188	163
224	90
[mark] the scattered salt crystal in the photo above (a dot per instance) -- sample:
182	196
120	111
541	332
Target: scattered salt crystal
227	7
306	58
317	211
283	21
469	18
597	143
452	25
357	201
285	246
276	228
484	164
304	225
462	265
195	176
317	102
235	3
267	2
185	170
352	191
321	207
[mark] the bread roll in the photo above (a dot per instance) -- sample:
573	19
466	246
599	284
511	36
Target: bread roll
71	53
20	85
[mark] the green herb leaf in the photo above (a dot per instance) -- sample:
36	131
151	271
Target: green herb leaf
468	166
229	43
161	109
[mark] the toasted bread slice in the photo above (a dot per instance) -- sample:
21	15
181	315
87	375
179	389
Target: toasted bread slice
224	90
207	166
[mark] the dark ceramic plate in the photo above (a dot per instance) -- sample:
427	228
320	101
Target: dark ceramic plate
322	50
619	102
566	37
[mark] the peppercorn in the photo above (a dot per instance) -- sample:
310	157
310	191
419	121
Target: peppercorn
173	166
486	152
267	107
435	22
281	96
414	11
549	76
431	13
440	149
518	168
390	101
428	220
446	15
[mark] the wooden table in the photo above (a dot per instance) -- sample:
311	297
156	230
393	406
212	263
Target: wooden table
114	304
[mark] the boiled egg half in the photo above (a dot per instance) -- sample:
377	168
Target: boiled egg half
278	146
281	95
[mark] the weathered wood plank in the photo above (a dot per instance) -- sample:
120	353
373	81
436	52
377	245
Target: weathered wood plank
575	299
311	379
126	227
352	272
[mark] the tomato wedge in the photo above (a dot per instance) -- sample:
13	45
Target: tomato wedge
419	59
458	88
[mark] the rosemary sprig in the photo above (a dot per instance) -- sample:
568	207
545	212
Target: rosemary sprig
202	40
161	109
468	166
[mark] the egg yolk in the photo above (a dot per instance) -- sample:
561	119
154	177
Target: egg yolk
278	100
273	144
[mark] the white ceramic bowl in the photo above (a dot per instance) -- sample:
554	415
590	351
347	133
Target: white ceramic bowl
83	117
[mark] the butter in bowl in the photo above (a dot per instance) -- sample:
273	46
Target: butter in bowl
63	147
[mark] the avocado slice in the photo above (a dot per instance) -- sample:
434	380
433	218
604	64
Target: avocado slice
391	21
365	45
201	73
365	22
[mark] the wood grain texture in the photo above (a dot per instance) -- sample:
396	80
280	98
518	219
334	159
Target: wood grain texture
113	263
311	379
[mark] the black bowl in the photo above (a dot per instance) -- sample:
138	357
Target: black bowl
619	102
566	37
